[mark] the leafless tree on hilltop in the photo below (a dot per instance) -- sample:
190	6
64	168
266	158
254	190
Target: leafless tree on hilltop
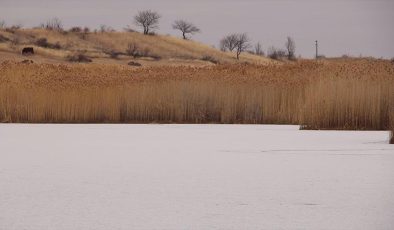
148	20
290	46
229	43
185	27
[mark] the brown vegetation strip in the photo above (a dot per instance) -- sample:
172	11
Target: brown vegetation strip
340	94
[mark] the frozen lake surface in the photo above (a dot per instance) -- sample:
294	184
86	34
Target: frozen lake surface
121	177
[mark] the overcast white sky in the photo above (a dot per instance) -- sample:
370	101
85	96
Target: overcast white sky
342	26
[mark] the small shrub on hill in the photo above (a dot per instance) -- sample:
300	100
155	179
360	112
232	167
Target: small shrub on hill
210	59
112	53
43	42
134	50
75	29
276	54
79	57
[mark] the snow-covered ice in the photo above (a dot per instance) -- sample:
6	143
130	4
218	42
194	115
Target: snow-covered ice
121	177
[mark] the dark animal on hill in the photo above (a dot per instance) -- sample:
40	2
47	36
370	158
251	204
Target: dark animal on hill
28	51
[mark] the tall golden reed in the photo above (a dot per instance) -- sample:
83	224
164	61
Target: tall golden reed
327	95
165	102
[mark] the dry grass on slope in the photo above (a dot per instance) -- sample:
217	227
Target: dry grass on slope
103	45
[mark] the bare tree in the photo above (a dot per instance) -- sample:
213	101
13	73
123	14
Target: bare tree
148	20
53	24
229	43
290	46
242	43
185	27
258	49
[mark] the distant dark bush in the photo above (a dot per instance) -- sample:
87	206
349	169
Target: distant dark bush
43	42
75	29
292	58
276	54
154	56
210	59
82	32
56	46
112	53
79	58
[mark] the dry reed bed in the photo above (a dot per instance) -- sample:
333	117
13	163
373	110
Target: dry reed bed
351	94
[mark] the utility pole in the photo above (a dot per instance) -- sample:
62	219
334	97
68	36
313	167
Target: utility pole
317	50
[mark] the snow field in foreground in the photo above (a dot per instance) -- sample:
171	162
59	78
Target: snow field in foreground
100	177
